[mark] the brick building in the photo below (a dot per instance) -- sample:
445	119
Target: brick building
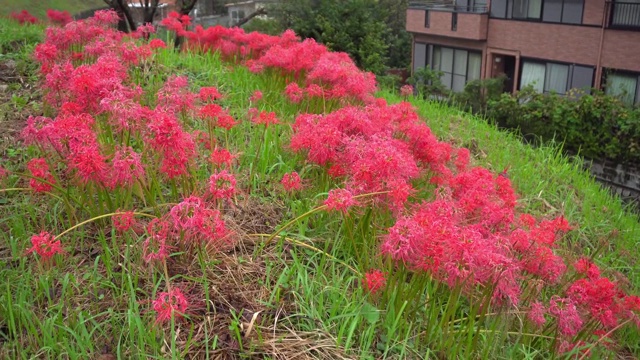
554	45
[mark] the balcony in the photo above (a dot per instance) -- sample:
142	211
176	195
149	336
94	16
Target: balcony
625	15
463	19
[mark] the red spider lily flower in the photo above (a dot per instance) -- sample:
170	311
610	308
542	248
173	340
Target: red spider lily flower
126	168
374	281
3	173
123	221
106	17
256	96
209	93
291	181
155	249
40	169
266	118
536	314
170	304
221	157
584	266
45	245
566	314
187	214
294	92
222	185
143	31
157	44
60	18
340	200
462	159
406	90
23	17
314	90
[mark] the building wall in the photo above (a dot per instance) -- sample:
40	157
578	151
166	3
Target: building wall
470	26
556	42
586	44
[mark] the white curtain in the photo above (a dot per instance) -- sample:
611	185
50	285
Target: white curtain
419	56
533	74
623	86
556	78
475	62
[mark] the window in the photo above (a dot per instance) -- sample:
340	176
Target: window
454	21
426	18
556	11
526	9
236	16
419	56
474	6
626	14
555	77
458	66
625	86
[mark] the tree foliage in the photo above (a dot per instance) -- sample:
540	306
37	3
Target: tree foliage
370	31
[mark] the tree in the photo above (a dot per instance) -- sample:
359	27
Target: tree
148	9
351	26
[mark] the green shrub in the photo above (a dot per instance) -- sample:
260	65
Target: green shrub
594	125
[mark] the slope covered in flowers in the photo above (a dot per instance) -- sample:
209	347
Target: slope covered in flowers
158	170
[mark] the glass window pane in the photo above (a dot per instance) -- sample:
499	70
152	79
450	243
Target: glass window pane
556	78
552	10
446	80
533	74
458	83
437	53
582	78
498	8
419	56
447	60
572	12
460	63
623	86
475	63
535	9
520	8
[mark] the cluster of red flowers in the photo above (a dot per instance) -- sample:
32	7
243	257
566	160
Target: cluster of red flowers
23	17
191	221
376	148
330	74
471	236
58	17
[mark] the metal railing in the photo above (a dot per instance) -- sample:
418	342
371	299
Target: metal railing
625	15
448	6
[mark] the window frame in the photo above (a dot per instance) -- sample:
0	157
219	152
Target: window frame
431	51
509	10
427	19
608	71
570	72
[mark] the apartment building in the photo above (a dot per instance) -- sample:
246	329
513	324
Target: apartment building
554	45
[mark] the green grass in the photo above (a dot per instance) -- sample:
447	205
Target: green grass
39	8
305	284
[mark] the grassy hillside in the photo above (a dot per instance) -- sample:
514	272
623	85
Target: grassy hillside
39	8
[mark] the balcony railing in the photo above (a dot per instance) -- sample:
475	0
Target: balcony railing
459	6
625	15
